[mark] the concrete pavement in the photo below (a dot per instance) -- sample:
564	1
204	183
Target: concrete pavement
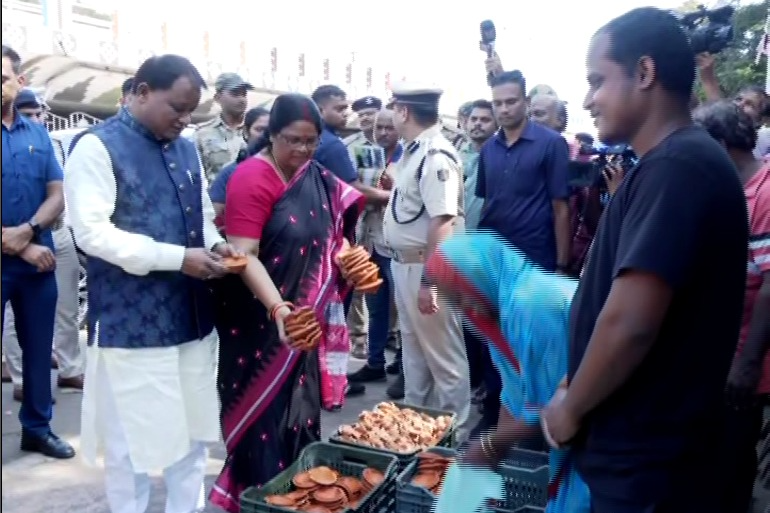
36	484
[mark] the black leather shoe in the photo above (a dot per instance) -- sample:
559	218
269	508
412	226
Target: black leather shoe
48	445
396	389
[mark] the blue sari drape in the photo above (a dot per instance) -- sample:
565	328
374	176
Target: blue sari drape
523	313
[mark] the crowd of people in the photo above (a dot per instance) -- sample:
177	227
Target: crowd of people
623	327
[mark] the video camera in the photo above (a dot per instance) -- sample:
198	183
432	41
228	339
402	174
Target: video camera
715	34
589	174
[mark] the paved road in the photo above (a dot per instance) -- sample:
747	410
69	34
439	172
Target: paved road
35	484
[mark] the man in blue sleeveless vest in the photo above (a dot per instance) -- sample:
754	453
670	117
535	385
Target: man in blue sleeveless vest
139	209
32	201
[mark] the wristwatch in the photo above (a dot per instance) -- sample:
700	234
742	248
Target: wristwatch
36	229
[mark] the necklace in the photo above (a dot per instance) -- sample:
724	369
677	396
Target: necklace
278	168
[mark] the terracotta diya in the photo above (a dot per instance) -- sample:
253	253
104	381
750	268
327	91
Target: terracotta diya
303	480
315	508
373	477
323	475
279	500
235	265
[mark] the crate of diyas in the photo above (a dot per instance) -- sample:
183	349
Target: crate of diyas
420	483
327	478
398	429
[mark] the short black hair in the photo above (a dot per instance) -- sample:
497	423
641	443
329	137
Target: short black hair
127	87
252	115
656	34
511	77
727	123
326	92
162	71
584	138
481	104
14	57
424	115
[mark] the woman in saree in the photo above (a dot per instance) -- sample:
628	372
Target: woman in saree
523	313
291	217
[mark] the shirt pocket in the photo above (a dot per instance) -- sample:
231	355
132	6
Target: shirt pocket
32	164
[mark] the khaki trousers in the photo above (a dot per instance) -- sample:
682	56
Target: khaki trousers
434	360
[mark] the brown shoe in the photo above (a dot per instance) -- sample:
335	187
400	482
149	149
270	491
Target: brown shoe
6	373
18	394
75	382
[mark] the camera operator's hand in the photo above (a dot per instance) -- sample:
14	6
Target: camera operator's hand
705	62
613	176
494	65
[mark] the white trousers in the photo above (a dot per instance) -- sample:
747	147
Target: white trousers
433	351
66	343
129	491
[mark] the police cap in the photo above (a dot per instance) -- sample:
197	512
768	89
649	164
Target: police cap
416	94
367	102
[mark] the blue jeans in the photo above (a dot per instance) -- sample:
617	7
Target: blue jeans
379	313
33	299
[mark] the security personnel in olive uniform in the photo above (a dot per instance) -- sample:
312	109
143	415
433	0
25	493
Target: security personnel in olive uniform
358	315
426	206
220	139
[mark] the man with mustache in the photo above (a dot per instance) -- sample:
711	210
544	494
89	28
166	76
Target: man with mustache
32	202
220	139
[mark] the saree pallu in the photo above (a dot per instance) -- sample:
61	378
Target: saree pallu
523	314
272	396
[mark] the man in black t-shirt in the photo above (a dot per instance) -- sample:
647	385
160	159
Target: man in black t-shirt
656	317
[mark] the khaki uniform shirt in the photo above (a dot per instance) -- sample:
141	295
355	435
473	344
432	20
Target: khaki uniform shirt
455	136
415	200
218	145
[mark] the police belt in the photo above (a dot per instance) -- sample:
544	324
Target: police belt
409	256
419	177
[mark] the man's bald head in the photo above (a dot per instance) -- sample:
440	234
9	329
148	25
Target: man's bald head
544	109
384	130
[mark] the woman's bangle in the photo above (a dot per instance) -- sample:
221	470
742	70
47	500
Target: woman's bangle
487	447
271	313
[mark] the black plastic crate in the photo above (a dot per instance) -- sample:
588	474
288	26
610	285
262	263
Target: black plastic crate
348	461
404	459
525	475
415	499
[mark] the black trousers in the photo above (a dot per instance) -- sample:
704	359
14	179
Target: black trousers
742	433
474	348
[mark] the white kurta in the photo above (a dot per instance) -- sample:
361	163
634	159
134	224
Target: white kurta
164	396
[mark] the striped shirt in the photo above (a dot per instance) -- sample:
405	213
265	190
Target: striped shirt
758	200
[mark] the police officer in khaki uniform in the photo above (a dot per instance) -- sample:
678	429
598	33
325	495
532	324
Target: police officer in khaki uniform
358	316
220	139
425	207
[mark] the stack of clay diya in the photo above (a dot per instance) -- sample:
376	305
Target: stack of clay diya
302	328
431	469
235	265
323	490
359	269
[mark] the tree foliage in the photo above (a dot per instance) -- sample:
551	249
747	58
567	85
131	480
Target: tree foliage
735	65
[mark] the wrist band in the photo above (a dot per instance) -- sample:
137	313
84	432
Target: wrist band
276	307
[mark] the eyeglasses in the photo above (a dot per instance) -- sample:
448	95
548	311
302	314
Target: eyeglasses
298	143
